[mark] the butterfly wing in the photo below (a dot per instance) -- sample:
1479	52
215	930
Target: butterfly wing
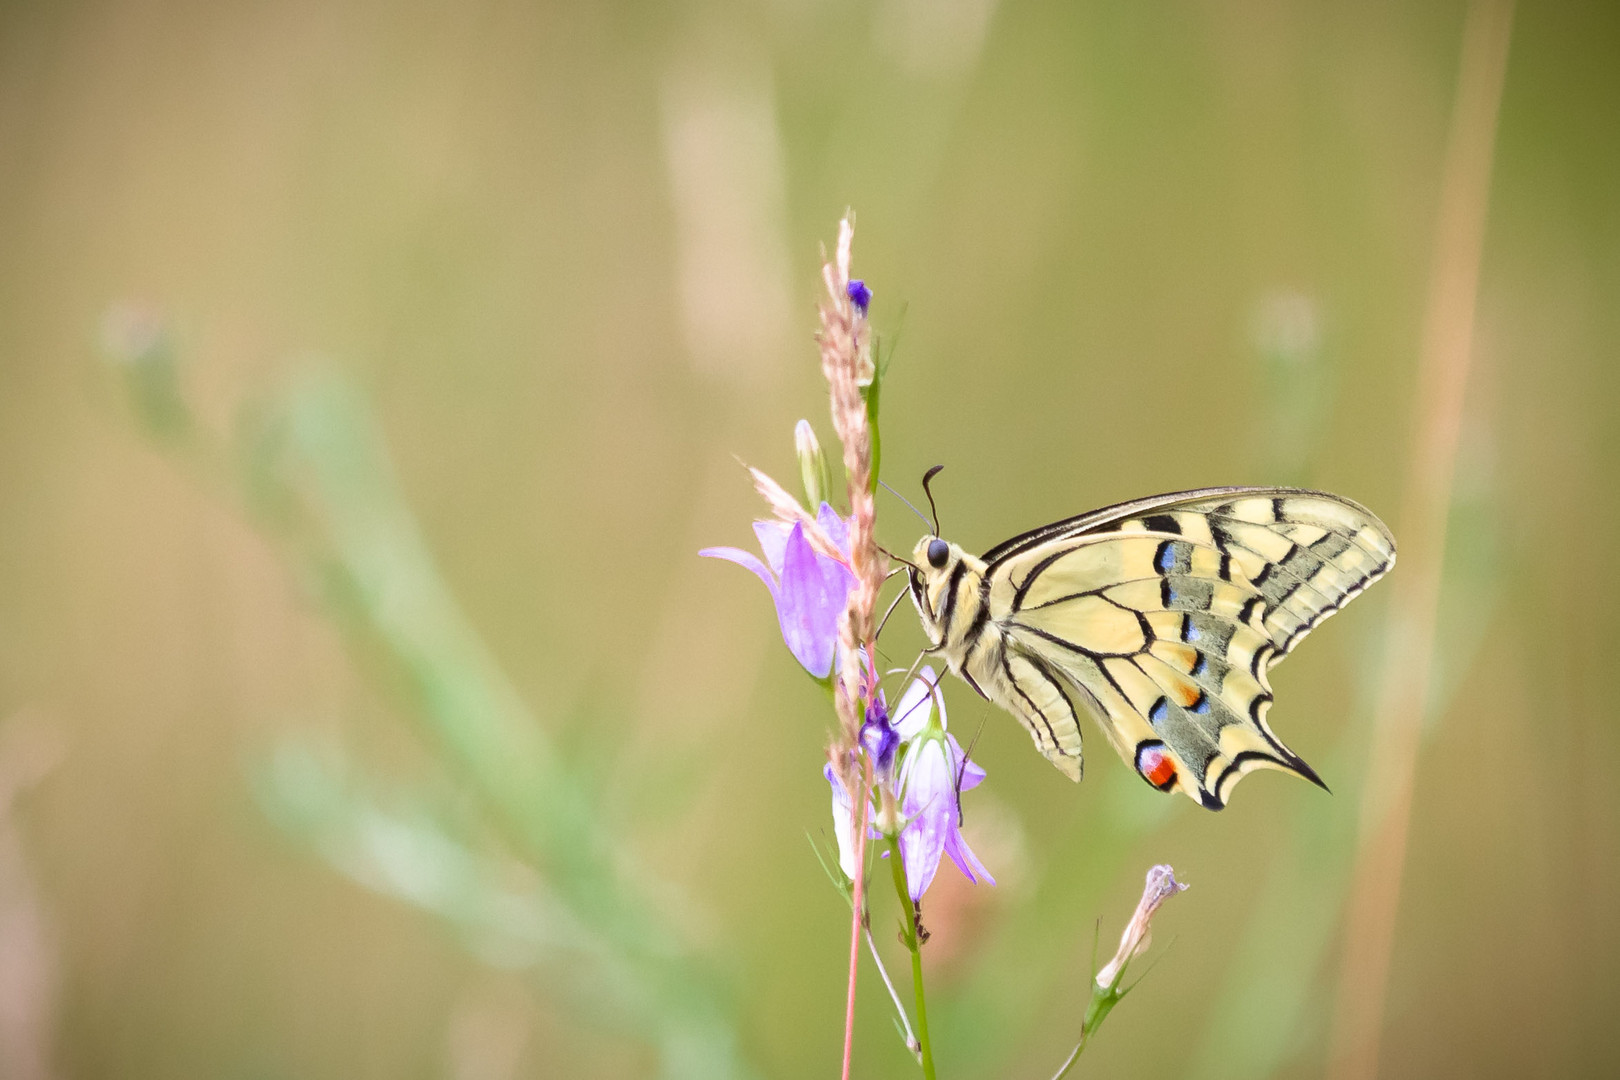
1164	616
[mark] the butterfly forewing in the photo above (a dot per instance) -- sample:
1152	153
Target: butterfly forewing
1163	616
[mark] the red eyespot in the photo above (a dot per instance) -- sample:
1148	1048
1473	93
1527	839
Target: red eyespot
1154	764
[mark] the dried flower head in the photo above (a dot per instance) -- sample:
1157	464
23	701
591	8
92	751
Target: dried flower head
847	364
1161	886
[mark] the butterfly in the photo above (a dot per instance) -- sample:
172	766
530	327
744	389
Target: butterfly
1161	617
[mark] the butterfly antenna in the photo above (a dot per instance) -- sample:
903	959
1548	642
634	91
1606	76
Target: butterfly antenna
905	500
927	476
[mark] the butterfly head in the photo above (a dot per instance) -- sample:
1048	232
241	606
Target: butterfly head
937	569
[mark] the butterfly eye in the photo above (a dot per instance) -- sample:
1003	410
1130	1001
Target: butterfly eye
939	553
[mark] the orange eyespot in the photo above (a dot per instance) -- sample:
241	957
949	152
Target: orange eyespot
1155	765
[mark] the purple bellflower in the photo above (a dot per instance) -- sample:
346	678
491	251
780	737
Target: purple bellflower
933	772
811	590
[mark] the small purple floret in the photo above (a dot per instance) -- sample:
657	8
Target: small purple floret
859	295
879	737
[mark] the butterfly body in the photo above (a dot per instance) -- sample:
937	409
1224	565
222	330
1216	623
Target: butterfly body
1161	617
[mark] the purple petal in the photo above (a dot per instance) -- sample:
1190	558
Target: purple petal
744	559
929	806
772	537
921	844
880	739
969	772
911	714
860	294
967	862
812	594
836	528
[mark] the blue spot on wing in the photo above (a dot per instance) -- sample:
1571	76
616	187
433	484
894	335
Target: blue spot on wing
1165	558
1159	711
1202	704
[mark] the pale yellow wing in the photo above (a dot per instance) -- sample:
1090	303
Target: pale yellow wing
1165	620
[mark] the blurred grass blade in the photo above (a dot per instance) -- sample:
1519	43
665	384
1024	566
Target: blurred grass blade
311	467
1443	369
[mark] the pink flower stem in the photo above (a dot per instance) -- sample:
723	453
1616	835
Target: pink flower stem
858	907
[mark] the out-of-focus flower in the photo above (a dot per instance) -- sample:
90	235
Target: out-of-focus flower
1161	886
932	777
859	294
810	589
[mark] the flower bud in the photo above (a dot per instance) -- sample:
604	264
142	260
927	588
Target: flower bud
860	294
812	466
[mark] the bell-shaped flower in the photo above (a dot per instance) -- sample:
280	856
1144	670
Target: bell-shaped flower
933	775
810	589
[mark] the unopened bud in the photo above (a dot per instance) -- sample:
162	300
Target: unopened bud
812	466
860	294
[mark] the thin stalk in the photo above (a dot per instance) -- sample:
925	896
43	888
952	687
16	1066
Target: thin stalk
857	906
1074	1055
909	938
894	996
1101	1002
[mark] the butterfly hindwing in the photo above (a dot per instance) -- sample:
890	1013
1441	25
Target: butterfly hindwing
1164	616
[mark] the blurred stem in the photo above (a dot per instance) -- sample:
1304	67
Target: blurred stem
1443	368
910	938
312	472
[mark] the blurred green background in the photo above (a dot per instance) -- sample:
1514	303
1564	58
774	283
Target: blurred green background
566	257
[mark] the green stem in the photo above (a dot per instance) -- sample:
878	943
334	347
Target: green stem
909	938
1103	1000
1074	1055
